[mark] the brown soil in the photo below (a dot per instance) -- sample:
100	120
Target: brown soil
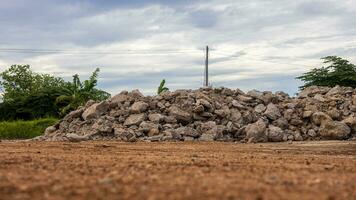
113	170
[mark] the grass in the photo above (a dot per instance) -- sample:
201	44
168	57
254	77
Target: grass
24	129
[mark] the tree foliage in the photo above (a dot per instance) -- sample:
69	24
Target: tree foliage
20	81
338	72
162	87
28	95
77	93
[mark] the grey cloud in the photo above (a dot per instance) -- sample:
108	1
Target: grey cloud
204	18
257	40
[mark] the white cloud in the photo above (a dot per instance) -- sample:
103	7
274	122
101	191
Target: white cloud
249	39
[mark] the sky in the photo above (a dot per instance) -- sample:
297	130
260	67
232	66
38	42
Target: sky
254	44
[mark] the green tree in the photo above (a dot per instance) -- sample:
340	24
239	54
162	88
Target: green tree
29	95
162	87
19	81
338	72
77	93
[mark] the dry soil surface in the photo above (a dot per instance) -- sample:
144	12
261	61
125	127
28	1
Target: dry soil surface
114	170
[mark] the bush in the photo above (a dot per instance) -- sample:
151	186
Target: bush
25	129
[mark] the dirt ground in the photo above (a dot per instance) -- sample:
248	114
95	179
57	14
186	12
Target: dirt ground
114	170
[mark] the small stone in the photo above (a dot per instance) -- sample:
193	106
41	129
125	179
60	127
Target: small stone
312	133
156	118
76	138
153	132
186	131
188	138
307	114
198	109
155	138
206	137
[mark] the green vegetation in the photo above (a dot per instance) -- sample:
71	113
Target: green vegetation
77	93
162	87
338	72
24	129
28	95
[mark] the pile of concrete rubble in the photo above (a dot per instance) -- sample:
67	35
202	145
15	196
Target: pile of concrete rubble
209	114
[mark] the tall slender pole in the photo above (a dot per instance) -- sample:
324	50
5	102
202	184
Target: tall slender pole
206	75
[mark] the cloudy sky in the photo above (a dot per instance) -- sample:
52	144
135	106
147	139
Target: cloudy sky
261	44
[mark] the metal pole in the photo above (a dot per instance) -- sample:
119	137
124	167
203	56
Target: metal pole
206	83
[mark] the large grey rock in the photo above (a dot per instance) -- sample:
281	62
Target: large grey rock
334	130
204	103
235	115
272	112
224	112
135	119
245	98
281	123
335	91
256	132
49	130
319	97
138	107
275	134
255	93
320	117
351	122
237	104
311	91
148	126
179	114
95	110
156	117
207	126
260	108
136	94
120	98
74	114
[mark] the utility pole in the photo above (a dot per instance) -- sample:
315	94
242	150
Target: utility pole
206	73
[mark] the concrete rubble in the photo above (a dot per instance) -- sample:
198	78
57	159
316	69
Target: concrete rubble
218	114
